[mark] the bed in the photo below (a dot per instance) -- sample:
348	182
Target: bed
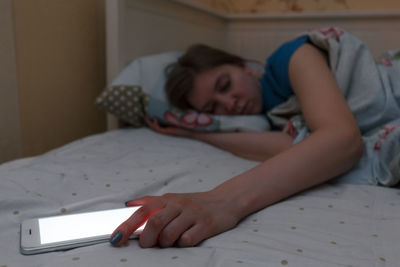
330	225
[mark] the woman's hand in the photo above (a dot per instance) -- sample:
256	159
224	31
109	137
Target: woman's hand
168	130
177	219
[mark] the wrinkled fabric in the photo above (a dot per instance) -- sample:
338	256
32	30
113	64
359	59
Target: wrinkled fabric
371	88
329	225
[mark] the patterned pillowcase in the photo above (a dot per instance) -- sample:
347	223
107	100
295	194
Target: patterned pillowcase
126	102
139	90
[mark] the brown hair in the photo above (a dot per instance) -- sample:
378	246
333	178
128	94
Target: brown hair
197	59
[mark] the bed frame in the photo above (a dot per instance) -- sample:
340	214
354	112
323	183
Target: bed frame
136	28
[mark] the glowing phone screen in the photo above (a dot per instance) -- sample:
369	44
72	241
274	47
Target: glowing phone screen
84	225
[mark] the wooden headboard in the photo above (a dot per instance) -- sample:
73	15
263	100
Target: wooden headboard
136	28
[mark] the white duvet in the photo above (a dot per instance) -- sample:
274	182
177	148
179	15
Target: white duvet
331	225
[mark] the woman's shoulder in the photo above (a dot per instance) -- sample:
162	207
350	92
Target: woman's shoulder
284	52
275	83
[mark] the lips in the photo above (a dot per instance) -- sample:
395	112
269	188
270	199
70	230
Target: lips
239	108
245	108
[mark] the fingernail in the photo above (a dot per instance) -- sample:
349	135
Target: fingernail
116	238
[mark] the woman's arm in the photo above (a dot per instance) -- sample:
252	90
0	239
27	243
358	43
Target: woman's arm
332	148
258	146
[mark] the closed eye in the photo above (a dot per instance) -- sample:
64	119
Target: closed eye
225	85
222	85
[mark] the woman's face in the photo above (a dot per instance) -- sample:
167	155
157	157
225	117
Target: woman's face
226	90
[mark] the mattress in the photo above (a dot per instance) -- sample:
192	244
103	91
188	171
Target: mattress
329	225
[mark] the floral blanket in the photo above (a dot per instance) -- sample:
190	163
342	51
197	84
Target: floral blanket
372	90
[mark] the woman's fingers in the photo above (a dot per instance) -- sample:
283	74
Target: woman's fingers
182	219
206	226
140	201
174	230
199	232
168	130
153	124
156	225
193	236
137	219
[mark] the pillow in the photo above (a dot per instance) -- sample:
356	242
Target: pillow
139	90
126	102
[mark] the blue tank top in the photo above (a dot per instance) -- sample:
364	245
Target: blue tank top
275	83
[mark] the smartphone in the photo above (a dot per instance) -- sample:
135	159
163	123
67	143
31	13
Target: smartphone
70	231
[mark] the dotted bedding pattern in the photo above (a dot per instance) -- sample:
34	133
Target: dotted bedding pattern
331	225
128	103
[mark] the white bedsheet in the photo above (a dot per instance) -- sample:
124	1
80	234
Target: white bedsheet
331	225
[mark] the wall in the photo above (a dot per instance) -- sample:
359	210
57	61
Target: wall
279	6
10	133
60	68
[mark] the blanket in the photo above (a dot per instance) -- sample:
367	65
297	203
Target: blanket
331	225
372	90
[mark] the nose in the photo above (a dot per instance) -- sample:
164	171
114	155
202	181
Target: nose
228	103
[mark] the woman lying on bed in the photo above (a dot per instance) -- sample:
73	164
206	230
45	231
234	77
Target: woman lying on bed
213	81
